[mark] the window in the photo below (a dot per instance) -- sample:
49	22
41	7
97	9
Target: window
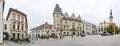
22	27
57	27
13	15
64	26
18	27
33	31
67	32
57	24
22	19
64	32
67	26
18	17
5	27
73	26
13	26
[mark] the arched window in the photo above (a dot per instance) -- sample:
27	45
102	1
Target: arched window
64	33
64	27
13	26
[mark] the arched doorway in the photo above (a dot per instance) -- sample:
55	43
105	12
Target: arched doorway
73	33
5	36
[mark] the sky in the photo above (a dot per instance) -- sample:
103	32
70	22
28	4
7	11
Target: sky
40	11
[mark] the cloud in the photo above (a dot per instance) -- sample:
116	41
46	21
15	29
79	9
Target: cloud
40	11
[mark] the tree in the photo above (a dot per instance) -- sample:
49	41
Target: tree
117	30
110	29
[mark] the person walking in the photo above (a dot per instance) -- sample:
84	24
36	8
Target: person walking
72	35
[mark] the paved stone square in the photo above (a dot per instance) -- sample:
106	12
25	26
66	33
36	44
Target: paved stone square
88	40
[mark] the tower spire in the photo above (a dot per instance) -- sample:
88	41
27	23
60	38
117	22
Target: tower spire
57	8
111	17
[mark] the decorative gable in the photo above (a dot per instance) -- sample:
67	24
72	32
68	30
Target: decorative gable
79	18
66	15
73	16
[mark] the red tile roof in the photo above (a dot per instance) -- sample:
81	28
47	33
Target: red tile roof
113	24
43	26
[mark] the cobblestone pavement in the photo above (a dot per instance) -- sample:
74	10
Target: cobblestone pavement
88	40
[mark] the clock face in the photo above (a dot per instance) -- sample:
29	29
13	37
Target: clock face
57	16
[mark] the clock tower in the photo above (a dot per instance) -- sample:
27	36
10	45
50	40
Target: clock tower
57	15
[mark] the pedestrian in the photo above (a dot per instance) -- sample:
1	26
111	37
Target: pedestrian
72	35
60	36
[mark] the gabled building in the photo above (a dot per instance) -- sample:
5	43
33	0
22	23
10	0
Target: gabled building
66	24
43	30
16	24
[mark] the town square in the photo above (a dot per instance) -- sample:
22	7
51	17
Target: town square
92	40
59	23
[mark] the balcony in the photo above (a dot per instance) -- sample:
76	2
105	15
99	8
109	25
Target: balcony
15	21
22	22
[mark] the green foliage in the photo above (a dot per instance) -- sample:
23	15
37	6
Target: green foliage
117	30
44	37
110	29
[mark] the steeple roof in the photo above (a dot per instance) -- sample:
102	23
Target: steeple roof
57	8
111	14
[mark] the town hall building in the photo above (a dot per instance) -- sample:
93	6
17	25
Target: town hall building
103	25
65	24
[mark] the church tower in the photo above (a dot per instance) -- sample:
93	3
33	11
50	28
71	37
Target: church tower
57	15
1	20
111	17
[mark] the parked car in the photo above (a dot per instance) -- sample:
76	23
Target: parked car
105	34
82	34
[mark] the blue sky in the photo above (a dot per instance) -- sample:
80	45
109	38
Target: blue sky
40	11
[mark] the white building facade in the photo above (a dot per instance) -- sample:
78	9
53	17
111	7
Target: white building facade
44	29
89	28
16	25
1	20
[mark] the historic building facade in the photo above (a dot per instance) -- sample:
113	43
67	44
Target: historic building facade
89	28
1	20
65	24
16	24
103	25
43	30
